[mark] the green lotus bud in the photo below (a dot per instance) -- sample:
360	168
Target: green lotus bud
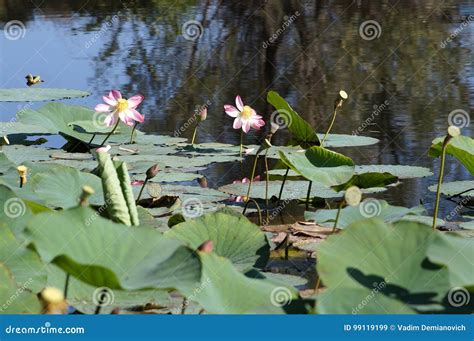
454	131
152	171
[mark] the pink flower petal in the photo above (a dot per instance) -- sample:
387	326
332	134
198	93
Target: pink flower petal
126	119
246	126
103	108
257	178
135	115
110	101
116	94
104	149
237	123
138	182
135	101
239	103
110	120
231	110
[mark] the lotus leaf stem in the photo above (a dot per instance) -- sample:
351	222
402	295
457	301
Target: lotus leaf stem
141	190
283	183
440	179
109	134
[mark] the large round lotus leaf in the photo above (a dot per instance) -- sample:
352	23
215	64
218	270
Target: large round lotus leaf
457	254
84	297
342	140
225	290
368	180
175	161
18	154
468	225
62	187
150	149
214	148
369	208
105	254
320	165
39	94
400	171
5	163
14	211
13	127
24	264
455	187
203	195
461	147
388	260
287	117
234	237
15	299
142	138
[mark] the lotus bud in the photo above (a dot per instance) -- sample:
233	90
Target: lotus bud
104	149
22	171
206	247
152	171
53	301
203	114
342	96
274	128
454	131
353	196
87	191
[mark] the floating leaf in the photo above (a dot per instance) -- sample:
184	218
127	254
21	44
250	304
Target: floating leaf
465	187
368	180
400	171
342	140
13	128
16	300
39	94
106	254
320	165
234	237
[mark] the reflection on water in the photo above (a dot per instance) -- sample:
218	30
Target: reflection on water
402	84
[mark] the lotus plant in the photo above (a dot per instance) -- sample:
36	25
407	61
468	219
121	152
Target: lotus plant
245	117
120	109
201	117
342	96
453	131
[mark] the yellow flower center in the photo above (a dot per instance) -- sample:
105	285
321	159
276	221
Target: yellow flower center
122	105
247	112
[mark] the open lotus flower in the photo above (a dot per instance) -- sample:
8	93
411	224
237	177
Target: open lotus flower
120	108
245	116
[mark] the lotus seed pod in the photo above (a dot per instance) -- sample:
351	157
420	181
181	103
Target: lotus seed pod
152	171
53	301
353	196
343	95
454	131
22	170
87	191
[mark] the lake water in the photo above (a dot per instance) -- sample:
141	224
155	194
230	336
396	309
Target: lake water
404	77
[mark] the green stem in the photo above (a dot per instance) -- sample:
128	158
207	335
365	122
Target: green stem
334	114
267	181
440	179
337	217
90	142
66	285
241	142
260	220
194	133
283	183
133	132
109	134
308	195
141	191
251	181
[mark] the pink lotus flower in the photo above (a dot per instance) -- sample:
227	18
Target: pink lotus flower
245	116
122	108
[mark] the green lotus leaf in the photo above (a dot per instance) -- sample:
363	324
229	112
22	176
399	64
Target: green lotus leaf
39	94
320	165
234	237
298	127
225	290
15	299
400	171
62	186
368	180
461	147
369	208
102	253
388	261
465	188
342	140
14	128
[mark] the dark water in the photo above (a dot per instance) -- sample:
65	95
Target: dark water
138	47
